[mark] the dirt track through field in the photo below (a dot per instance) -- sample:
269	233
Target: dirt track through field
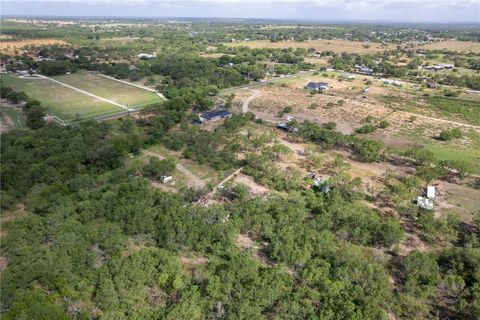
85	92
192	179
247	101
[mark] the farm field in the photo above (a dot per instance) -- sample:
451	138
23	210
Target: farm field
10	46
110	89
63	102
337	46
453	45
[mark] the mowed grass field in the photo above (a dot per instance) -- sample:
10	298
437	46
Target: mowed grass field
110	89
63	102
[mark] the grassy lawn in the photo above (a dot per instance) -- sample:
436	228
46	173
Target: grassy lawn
471	156
110	89
17	116
466	109
64	102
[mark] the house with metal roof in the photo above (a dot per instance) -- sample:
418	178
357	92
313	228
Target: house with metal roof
316	86
215	115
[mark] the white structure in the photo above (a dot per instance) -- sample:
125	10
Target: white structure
425	203
145	56
426	200
166	179
392	82
431	192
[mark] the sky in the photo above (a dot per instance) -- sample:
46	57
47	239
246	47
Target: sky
458	11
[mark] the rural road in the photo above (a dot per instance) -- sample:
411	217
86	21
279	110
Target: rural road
192	179
255	84
249	99
84	92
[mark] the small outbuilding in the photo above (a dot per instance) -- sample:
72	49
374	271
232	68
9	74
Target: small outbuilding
425	201
145	56
316	86
166	179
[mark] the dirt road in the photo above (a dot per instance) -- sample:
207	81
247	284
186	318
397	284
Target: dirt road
192	179
249	99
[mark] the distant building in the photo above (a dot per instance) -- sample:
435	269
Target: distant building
316	86
363	69
348	76
216	115
432	85
392	82
145	56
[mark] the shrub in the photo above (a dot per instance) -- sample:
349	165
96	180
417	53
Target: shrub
314	106
446	134
287	109
368	128
368	150
383	124
330	125
368	119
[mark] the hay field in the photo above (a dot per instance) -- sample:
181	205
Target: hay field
64	102
335	45
110	89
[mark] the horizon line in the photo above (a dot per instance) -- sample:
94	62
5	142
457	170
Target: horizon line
2	16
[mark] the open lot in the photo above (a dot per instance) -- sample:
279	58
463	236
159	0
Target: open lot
348	107
110	89
64	102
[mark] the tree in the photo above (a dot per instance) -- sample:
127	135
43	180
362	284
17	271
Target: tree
157	168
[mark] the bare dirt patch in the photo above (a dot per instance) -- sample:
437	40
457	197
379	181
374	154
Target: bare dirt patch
3	263
458	199
255	188
244	241
6	123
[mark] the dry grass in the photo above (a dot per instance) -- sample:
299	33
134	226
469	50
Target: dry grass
337	46
9	47
453	45
355	108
